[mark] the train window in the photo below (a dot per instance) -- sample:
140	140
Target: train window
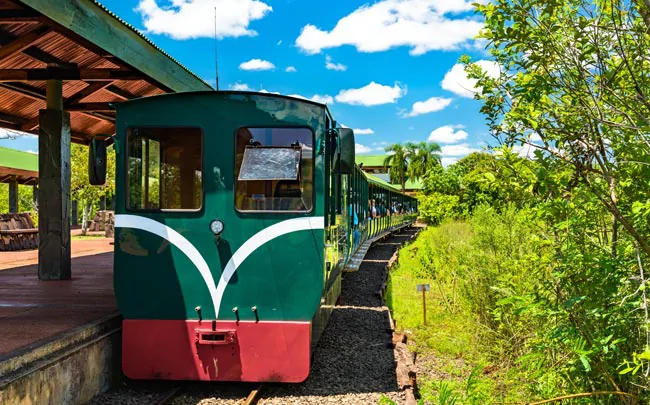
274	169
164	169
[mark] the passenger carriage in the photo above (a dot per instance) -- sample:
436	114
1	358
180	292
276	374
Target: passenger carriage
235	215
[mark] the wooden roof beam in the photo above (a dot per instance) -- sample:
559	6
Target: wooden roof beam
57	73
25	89
35	52
38	94
19	15
22	42
90	107
123	94
11	119
92	88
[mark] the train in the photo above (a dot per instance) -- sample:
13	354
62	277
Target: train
236	214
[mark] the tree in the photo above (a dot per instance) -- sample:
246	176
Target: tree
423	156
398	162
574	84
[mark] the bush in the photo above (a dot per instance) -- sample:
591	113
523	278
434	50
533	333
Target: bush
436	207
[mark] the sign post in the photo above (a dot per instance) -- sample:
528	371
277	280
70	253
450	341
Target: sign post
424	288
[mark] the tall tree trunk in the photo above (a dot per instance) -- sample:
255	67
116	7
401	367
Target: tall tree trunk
612	194
84	218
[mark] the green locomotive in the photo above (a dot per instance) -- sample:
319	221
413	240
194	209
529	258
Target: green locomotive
235	215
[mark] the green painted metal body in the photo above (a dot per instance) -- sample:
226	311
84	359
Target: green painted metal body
294	277
283	279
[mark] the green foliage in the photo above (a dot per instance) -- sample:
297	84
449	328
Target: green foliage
411	160
87	195
497	180
573	85
436	207
25	200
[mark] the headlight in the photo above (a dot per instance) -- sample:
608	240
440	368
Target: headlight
216	227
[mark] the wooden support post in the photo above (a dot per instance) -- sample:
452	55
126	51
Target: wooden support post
424	305
54	182
13	197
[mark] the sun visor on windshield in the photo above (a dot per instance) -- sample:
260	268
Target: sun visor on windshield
270	163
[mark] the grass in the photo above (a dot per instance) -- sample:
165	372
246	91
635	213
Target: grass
450	347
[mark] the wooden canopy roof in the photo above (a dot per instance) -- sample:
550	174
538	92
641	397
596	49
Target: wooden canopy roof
99	58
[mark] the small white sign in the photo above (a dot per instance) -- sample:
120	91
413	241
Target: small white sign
423	287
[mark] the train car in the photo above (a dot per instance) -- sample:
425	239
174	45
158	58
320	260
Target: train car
235	215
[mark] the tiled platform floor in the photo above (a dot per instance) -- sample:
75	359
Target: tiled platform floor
79	248
33	310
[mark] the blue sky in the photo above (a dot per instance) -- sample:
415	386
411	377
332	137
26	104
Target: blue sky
372	61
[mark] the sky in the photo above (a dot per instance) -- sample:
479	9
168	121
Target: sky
386	68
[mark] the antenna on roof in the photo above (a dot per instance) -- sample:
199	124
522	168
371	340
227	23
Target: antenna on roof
216	51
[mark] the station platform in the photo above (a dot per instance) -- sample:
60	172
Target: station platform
33	310
58	337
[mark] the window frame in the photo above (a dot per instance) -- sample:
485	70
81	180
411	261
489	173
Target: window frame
127	206
313	171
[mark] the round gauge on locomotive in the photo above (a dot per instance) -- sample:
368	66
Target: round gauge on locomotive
216	227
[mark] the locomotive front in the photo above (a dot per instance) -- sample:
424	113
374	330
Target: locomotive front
219	239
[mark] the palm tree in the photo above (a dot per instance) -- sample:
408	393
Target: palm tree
422	157
398	162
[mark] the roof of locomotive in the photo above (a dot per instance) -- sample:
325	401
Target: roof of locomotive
224	93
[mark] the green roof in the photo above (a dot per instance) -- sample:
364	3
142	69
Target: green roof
17	159
370	160
413	184
375	179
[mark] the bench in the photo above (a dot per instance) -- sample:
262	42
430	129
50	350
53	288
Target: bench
17	232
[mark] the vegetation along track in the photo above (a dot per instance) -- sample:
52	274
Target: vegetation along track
353	362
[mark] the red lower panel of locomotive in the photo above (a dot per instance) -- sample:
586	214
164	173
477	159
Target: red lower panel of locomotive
216	350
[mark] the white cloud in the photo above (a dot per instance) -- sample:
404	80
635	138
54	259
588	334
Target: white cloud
35	152
268	92
364	131
240	87
362	148
371	94
446	161
290	69
428	106
525	151
447	134
186	19
460	149
457	82
257	64
323	99
422	25
329	65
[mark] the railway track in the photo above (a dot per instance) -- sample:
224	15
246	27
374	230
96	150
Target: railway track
168	397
